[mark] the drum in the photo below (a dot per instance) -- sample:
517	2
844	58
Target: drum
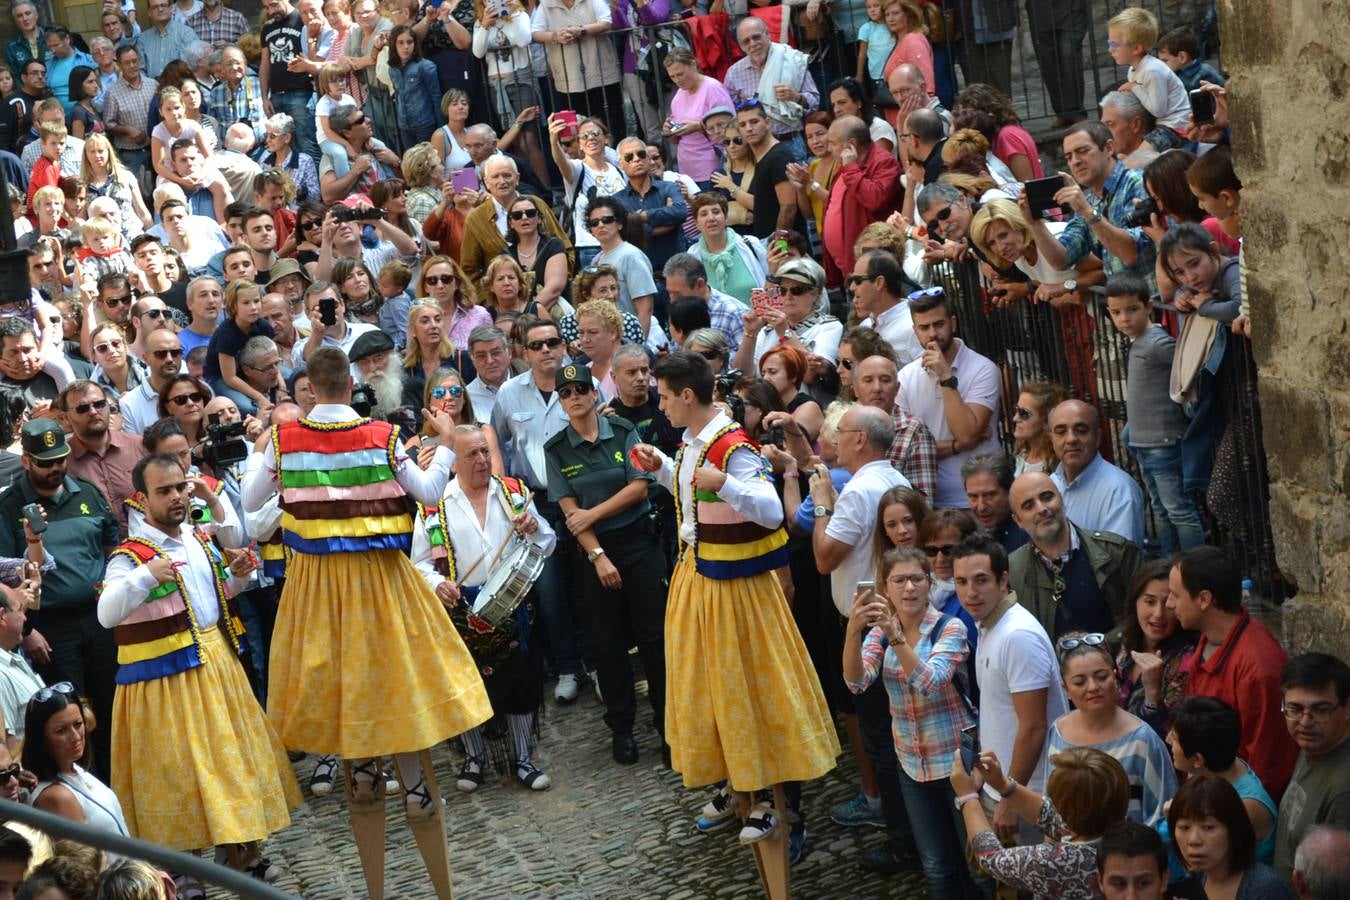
509	582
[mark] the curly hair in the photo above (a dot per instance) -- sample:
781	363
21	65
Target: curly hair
420	162
988	99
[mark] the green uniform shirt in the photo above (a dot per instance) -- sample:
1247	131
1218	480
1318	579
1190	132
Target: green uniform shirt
591	473
80	529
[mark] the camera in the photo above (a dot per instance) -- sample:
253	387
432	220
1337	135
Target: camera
357	214
775	436
225	444
363	399
724	390
1142	214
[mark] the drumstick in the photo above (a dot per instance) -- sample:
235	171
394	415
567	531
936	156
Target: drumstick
529	495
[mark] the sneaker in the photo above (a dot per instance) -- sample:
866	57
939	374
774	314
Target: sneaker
531	777
717	813
325	770
759	824
796	843
857	813
470	776
884	860
391	785
566	691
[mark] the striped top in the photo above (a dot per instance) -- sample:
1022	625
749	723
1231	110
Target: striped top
1147	763
339	493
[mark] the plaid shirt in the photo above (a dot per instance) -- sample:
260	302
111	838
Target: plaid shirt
913	453
726	314
1122	189
927	714
742	82
246	104
126	105
224	31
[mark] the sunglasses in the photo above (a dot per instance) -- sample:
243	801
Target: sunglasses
118	301
47	463
926	292
1095	639
13	771
798	290
1024	414
156	314
441	279
452	392
577	390
937	220
593	135
855	280
64	688
105	346
83	408
552	343
752	103
735	140
601	220
309	223
360	120
709	354
185	399
846	364
636	154
946	550
166	354
519	214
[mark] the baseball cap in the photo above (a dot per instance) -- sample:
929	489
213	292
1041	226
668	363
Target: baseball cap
43	439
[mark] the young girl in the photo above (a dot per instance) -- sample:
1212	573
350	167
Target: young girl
243	304
1207	282
332	94
84	87
875	45
6	83
417	87
174	125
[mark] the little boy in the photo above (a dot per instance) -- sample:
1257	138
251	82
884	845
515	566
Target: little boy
47	171
1179	50
1129	37
392	283
1156	423
102	253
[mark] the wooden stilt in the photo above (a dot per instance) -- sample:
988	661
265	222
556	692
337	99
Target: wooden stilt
366	810
429	830
771	853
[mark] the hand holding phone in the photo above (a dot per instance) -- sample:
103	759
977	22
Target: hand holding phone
465	179
569	118
32	515
1202	106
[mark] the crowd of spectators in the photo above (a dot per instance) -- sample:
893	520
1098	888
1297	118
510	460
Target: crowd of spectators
1010	608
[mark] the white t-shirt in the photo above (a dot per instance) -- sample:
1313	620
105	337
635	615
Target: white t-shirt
853	522
1013	657
1161	92
325	108
1043	272
822	339
881	130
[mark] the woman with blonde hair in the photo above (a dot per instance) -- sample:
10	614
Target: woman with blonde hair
422	178
967	152
131	879
734	177
428	349
599	283
599	327
589	175
443	282
104	176
504	287
447	392
1032	449
1000	231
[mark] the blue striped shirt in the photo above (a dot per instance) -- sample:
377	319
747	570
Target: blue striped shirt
1147	763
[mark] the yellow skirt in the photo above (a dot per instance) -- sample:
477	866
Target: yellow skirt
195	762
365	662
742	700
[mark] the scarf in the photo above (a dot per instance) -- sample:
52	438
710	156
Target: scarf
784	65
1198	334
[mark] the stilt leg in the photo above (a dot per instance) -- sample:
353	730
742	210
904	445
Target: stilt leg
365	806
771	853
428	828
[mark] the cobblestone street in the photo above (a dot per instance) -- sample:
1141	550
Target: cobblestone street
601	831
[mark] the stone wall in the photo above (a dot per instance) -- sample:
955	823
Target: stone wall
1290	67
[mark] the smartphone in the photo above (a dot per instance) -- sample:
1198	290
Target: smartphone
867	586
431	440
765	298
569	116
1041	195
464	180
328	311
1202	107
32	514
272	396
780	241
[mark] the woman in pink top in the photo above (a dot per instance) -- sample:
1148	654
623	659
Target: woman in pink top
905	21
697	94
990	112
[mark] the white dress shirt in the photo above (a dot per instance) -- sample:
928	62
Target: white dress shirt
226	527
523	417
896	327
472	541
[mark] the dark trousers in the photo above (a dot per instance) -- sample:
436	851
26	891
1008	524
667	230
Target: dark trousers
988	64
555	601
634	614
84	654
874	721
258	610
1057	31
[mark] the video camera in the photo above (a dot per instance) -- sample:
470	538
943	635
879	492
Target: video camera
724	391
357	214
225	444
363	399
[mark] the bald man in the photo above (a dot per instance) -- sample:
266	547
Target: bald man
1098	495
1070	578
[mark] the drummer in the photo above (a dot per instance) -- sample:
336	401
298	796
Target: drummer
481	510
603	498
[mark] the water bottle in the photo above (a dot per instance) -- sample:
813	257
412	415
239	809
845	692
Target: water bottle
1247	594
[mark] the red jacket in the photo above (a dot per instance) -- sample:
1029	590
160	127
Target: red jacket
867	191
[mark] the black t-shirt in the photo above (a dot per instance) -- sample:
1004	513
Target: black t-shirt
933	167
230	339
652	425
771	170
41	388
175	297
284	38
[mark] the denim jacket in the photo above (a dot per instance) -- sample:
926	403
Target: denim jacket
417	90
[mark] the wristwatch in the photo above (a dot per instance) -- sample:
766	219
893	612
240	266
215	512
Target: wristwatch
948	382
593	555
1012	788
823	511
1094	218
1071	285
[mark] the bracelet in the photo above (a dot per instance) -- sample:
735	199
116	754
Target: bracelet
966	798
791	473
36	540
1012	788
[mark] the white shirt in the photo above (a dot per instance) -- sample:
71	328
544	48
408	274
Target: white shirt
126	583
920	396
896	326
18	683
523	417
1042	272
748	488
472	541
1013	657
853	523
484	399
822	339
424	486
1161	91
226	528
140	408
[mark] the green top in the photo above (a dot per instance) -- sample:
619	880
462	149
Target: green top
591	473
81	531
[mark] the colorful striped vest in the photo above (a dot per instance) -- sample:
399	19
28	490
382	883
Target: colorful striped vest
727	545
338	490
200	512
274	555
160	638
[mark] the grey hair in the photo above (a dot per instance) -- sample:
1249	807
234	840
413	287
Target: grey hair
996	464
485	333
280	123
711	338
500	158
935	193
686	265
829	428
1322	861
200	279
196	53
21	3
623	351
343	116
877	427
1127	105
631	139
239	137
255	348
483	129
99	42
216	57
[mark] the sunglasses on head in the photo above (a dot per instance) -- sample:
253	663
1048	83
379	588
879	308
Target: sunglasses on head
551	343
935	222
118	301
926	292
166	354
1087	640
185	399
752	103
945	549
82	409
64	688
105	346
634	154
519	214
733	140
452	392
601	220
578	390
441	279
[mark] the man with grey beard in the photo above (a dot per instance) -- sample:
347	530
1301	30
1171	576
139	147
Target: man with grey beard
397	398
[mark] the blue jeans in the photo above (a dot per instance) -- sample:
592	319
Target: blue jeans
1174	510
296	104
940	837
245	403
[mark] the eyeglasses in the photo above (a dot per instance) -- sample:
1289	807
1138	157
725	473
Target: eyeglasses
166	354
1318	712
453	392
1024	414
733	141
945	549
440	279
1096	639
935	222
593	135
1113	45
552	343
519	214
636	154
601	220
185	399
118	301
799	290
105	346
157	313
855	280
926	292
578	390
82	409
64	688
709	354
916	580
270	367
